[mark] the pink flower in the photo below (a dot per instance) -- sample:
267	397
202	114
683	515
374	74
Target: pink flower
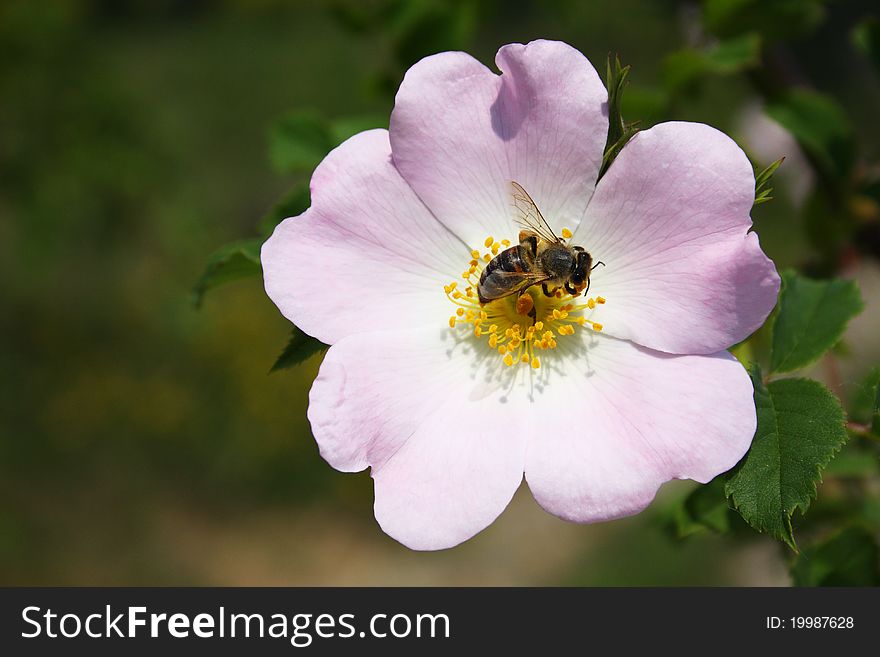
618	392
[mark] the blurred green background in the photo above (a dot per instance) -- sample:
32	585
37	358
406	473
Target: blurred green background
143	441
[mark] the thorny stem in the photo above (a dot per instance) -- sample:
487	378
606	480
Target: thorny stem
862	431
835	380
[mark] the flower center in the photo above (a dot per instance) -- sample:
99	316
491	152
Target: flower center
520	325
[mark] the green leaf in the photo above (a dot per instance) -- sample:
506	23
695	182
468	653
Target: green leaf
848	558
619	131
865	401
294	203
811	319
299	348
776	19
342	129
684	67
866	37
229	263
800	427
822	129
299	141
423	27
704	509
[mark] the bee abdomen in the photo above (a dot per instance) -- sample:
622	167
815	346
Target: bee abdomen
493	284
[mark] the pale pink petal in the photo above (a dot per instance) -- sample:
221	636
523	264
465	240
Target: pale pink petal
670	221
367	255
445	464
619	420
460	134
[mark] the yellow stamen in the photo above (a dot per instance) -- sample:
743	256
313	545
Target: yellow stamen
566	233
506	324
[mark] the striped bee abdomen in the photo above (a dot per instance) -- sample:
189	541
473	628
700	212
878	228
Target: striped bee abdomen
499	278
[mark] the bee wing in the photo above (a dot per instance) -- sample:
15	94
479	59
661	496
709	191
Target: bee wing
529	216
500	284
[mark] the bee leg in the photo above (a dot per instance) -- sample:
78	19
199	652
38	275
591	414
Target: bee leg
547	291
570	289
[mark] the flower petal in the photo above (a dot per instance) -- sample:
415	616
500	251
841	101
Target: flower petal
670	221
460	134
368	253
622	419
445	465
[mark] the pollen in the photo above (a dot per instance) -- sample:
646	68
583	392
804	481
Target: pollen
519	325
524	304
566	234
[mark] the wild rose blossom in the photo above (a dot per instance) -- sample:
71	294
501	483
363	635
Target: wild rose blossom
597	401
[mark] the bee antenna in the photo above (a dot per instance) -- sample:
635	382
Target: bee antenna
596	265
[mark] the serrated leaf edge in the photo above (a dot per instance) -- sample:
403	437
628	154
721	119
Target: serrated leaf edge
815	480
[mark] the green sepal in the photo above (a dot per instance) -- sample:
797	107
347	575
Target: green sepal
762	191
619	131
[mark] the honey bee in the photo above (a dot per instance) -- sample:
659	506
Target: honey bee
541	258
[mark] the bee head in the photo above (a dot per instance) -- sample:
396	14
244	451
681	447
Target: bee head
580	274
